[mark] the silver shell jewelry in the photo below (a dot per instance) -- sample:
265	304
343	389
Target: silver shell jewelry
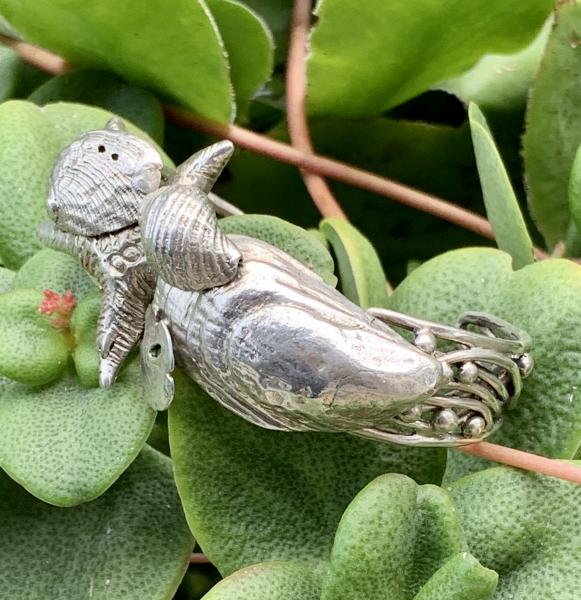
259	331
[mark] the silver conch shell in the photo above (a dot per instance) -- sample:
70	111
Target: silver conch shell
99	181
180	232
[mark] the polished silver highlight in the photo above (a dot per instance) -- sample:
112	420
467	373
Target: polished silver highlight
99	181
181	236
259	331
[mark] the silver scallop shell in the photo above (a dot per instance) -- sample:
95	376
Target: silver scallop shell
98	182
179	227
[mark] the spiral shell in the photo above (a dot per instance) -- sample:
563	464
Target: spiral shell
99	181
180	232
183	242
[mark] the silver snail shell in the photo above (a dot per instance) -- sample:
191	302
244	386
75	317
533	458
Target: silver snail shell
179	227
99	181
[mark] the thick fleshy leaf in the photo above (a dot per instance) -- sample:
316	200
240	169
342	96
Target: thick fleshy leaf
252	495
391	539
30	140
294	240
501	204
67	444
395	53
6	279
188	65
437	159
56	271
542	299
250	48
17	78
525	527
32	351
575	195
277	580
501	82
99	88
84	328
461	578
554	125
360	272
132	543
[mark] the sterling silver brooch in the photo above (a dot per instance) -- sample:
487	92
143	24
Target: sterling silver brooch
264	335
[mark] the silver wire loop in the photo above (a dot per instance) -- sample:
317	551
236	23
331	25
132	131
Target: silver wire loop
485	359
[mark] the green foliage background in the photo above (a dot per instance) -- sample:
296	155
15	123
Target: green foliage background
477	102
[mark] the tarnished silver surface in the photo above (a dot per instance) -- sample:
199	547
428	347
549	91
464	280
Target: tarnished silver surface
98	182
157	362
263	334
179	226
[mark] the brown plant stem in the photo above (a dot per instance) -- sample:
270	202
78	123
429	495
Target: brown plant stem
298	128
197	558
37	57
524	460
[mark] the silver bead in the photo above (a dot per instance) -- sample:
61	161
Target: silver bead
425	340
525	364
468	372
474	427
445	420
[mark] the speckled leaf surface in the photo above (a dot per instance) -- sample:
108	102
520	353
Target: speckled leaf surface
554	125
395	541
252	495
84	328
502	208
542	299
277	580
383	65
131	544
6	279
30	140
187	64
99	88
360	273
56	271
67	444
525	527
250	48
297	242
32	351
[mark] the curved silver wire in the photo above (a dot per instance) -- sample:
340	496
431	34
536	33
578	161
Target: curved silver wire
485	359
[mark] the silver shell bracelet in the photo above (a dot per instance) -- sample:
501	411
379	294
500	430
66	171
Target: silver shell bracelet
260	332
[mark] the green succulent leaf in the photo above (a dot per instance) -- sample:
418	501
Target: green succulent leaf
252	495
384	65
461	578
84	327
575	195
542	299
297	242
6	279
554	125
525	527
32	351
390	540
250	48
179	53
107	91
130	544
277	580
67	444
502	206
56	271
501	82
30	140
360	272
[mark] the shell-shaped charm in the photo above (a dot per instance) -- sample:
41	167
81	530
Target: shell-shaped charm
99	181
179	228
